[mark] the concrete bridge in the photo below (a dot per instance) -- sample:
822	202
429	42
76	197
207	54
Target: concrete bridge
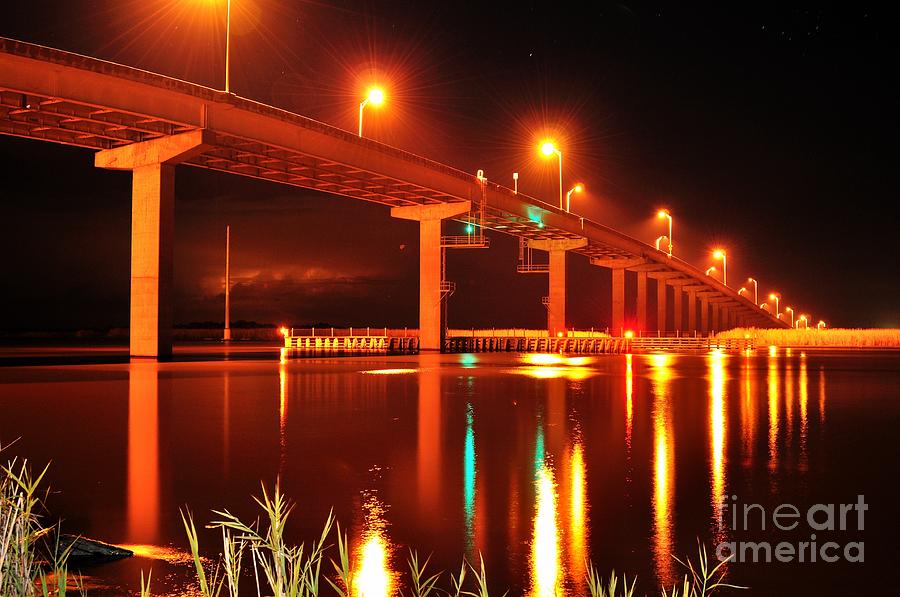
148	123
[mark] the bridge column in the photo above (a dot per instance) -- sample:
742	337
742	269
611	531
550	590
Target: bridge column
661	304
430	265
641	300
152	164
556	310
692	311
677	308
704	314
715	317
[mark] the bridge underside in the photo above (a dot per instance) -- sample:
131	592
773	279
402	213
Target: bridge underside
55	96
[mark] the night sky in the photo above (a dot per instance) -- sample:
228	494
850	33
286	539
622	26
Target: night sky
765	129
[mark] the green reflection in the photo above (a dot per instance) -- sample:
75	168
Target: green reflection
469	478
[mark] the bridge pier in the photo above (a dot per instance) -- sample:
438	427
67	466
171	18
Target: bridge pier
642	300
715	317
431	325
704	314
692	310
152	164
677	310
556	310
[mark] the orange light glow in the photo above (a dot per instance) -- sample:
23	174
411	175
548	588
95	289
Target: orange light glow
662	214
629	334
579	188
284	331
548	148
718	253
375	96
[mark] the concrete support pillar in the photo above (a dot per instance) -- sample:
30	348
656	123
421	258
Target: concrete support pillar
431	327
692	311
152	229
618	301
704	315
715	317
677	308
661	305
556	310
642	301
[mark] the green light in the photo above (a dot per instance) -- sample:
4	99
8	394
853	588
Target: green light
539	446
540	224
470	229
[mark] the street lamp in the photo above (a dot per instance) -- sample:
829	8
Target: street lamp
820	325
516	183
375	97
710	270
755	290
659	240
664	213
228	47
805	320
548	148
786	309
741	291
578	188
720	254
775	297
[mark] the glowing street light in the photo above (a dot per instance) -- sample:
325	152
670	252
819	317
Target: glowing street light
711	270
755	290
516	183
578	188
664	213
804	320
548	148
820	325
786	309
775	297
741	291
376	98
720	254
659	240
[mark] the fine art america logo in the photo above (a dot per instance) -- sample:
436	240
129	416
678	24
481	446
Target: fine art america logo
826	519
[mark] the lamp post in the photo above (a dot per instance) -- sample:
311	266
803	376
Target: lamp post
786	309
375	97
516	183
659	240
228	47
227	332
664	213
709	272
775	297
721	254
578	188
755	290
548	148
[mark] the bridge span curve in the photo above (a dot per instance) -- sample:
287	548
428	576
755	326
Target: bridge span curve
148	123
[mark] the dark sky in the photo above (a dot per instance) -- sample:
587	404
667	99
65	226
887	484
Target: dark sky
766	129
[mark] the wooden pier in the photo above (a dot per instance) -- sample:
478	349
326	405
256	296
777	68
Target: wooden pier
350	341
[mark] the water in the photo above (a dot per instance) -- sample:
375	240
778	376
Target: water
535	461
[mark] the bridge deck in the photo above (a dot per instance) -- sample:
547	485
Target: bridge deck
67	98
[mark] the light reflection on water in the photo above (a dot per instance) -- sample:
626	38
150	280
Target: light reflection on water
529	446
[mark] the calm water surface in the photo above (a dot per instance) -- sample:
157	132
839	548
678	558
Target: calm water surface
538	462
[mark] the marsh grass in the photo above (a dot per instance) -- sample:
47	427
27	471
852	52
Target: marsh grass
31	568
32	562
827	338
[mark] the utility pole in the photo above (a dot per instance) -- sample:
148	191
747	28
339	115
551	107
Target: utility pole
227	335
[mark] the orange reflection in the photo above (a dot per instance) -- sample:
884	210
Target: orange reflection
143	451
373	576
282	416
748	409
429	439
717	433
629	414
773	410
546	574
663	469
578	523
804	409
822	396
788	401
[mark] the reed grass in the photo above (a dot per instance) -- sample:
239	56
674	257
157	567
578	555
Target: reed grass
278	569
30	564
827	338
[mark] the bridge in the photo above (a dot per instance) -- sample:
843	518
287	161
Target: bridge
149	123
